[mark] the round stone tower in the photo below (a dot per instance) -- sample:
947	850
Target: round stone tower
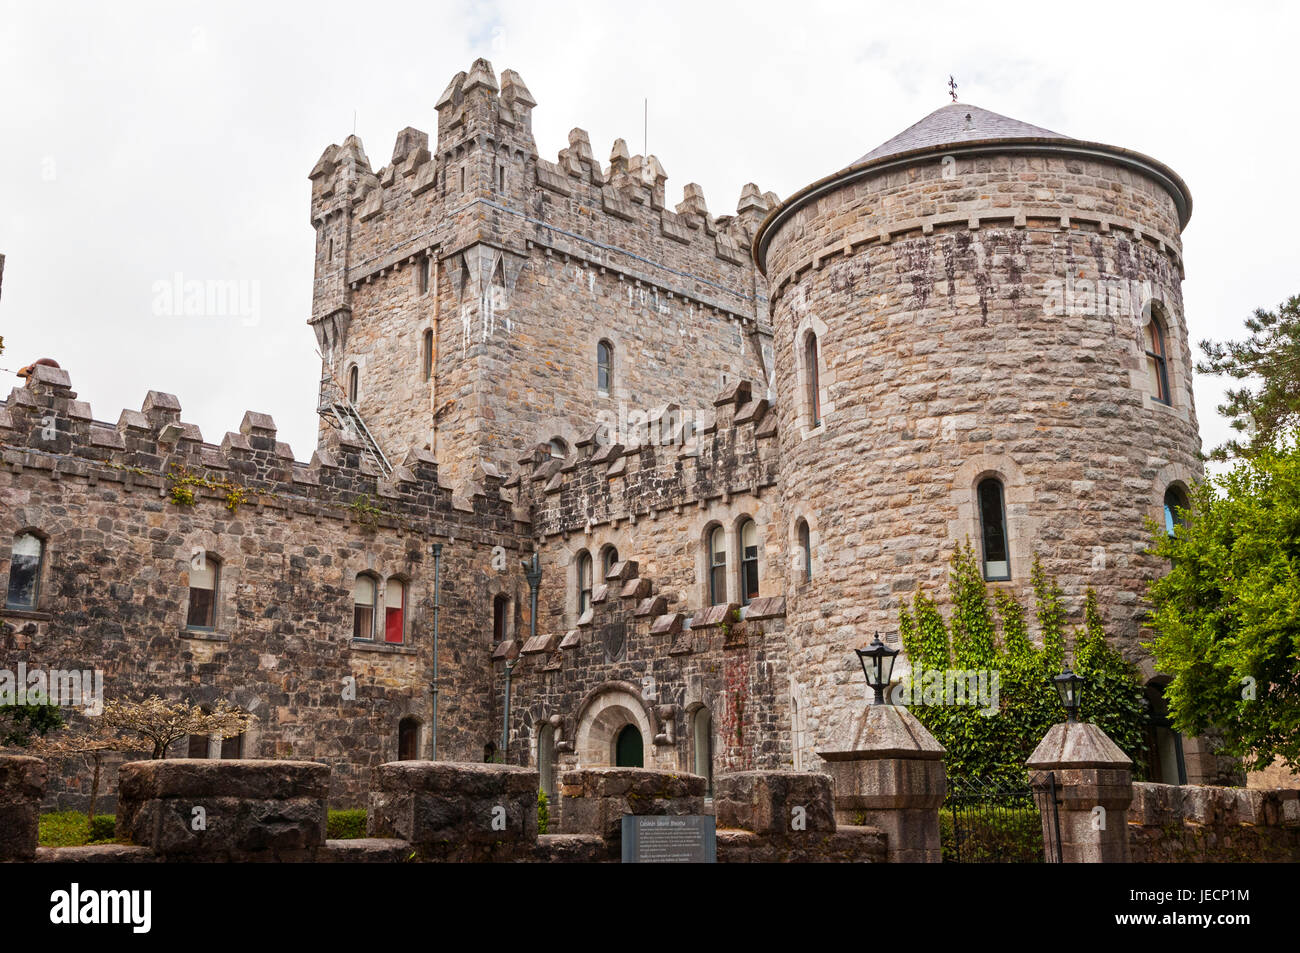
979	335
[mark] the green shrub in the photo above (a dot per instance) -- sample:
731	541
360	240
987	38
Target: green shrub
994	748
543	813
346	825
103	829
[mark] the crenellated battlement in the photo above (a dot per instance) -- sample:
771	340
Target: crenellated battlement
43	426
670	462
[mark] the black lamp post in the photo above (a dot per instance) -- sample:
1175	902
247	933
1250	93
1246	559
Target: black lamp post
1069	687
878	665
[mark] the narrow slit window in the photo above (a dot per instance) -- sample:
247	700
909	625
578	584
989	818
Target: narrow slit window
604	367
363	609
426	356
748	562
993	530
1157	358
717	566
354	383
584	583
500	607
203	594
805	545
814	381
395	612
25	572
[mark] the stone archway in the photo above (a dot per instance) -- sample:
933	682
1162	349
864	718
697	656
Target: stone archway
603	718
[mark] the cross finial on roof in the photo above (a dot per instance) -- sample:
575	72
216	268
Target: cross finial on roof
952	88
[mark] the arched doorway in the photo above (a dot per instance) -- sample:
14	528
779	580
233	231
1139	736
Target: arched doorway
408	739
628	750
601	720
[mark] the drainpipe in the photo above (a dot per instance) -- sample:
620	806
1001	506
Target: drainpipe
533	573
437	604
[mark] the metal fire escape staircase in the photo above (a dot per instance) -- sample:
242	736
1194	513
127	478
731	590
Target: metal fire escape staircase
340	412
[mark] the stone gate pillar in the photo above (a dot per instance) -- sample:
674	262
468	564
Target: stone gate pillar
888	773
1094	785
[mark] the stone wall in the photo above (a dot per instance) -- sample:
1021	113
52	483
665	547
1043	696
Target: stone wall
113	592
1193	824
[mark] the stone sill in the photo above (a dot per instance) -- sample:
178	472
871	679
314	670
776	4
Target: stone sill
390	648
204	636
26	614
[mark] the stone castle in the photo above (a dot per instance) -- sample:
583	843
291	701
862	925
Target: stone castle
736	445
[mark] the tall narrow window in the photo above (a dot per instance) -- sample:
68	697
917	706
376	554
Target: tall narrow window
330	255
500	611
546	760
363	609
702	732
408	740
202	613
462	178
424	275
395	611
25	572
805	545
814	383
426	356
604	367
993	530
748	562
607	560
354	382
717	566
501	178
1157	361
584	582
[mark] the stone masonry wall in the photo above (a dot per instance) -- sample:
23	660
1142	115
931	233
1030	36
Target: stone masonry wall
113	590
944	361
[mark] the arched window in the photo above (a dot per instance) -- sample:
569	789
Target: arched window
205	578
805	546
363	608
607	560
628	751
717	566
604	367
559	449
395	611
748	562
702	737
354	383
426	356
1175	509
584	582
812	380
993	529
1153	336
546	760
408	739
500	608
25	572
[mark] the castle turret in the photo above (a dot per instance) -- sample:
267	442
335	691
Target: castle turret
979	335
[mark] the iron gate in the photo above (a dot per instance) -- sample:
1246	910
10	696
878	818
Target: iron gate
987	823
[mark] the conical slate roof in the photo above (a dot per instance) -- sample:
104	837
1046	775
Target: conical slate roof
957	122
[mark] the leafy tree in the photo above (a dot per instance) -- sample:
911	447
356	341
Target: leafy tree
1227	614
1272	354
20	725
993	748
162	724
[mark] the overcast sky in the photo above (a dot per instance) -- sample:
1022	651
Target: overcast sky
139	141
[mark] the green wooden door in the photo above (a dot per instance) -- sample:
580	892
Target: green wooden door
627	749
